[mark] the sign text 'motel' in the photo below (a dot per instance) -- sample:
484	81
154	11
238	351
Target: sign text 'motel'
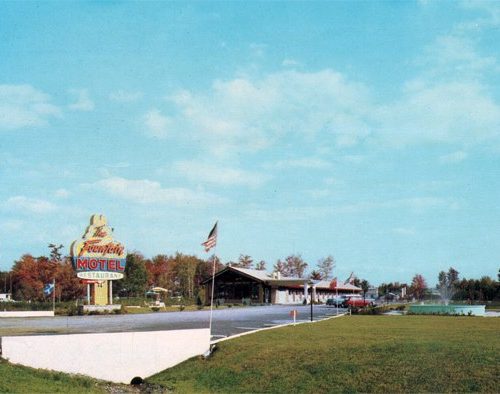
97	255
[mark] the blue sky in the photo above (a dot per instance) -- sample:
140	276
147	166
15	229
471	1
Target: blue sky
365	130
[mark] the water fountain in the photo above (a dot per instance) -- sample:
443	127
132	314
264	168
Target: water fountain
445	308
450	309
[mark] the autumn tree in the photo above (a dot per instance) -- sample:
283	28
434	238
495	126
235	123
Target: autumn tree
418	286
68	285
30	275
159	270
315	275
326	266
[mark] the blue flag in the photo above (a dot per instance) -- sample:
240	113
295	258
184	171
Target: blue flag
48	289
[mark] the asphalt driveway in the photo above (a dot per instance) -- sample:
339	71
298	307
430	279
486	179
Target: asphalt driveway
226	322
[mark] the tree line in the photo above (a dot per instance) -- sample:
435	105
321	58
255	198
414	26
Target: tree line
449	286
181	274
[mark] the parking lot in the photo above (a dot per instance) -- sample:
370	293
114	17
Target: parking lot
226	322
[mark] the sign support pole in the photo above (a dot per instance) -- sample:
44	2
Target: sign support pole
337	299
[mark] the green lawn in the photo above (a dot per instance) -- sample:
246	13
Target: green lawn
348	354
352	354
19	379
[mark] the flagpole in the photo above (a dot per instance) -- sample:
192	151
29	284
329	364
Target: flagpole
210	243
212	296
54	296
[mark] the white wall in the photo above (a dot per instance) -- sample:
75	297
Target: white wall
26	313
116	357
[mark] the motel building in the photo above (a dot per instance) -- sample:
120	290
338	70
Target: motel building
248	286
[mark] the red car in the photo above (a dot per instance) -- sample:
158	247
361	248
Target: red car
356	301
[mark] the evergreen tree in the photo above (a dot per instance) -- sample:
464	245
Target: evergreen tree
136	276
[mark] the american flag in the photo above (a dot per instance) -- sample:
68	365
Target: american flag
212	239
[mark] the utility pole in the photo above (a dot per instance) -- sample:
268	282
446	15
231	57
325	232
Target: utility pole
312	302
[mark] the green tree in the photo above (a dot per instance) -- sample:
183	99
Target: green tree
280	267
136	276
245	261
5	281
55	253
261	265
295	266
326	266
365	285
185	269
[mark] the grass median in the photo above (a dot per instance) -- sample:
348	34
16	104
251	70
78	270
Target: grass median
352	354
19	379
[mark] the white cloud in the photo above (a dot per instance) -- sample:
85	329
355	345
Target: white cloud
490	17
144	191
304	162
258	50
404	231
455	55
204	172
290	63
318	193
62	193
8	226
455	112
83	101
250	115
455	157
24	204
413	204
157	125
123	96
24	106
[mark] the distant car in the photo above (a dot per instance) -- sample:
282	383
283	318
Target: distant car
357	301
335	301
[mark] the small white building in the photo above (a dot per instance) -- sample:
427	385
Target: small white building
5	297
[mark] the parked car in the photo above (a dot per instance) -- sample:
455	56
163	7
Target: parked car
357	301
335	301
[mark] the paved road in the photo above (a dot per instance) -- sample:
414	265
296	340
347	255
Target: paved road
226	322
